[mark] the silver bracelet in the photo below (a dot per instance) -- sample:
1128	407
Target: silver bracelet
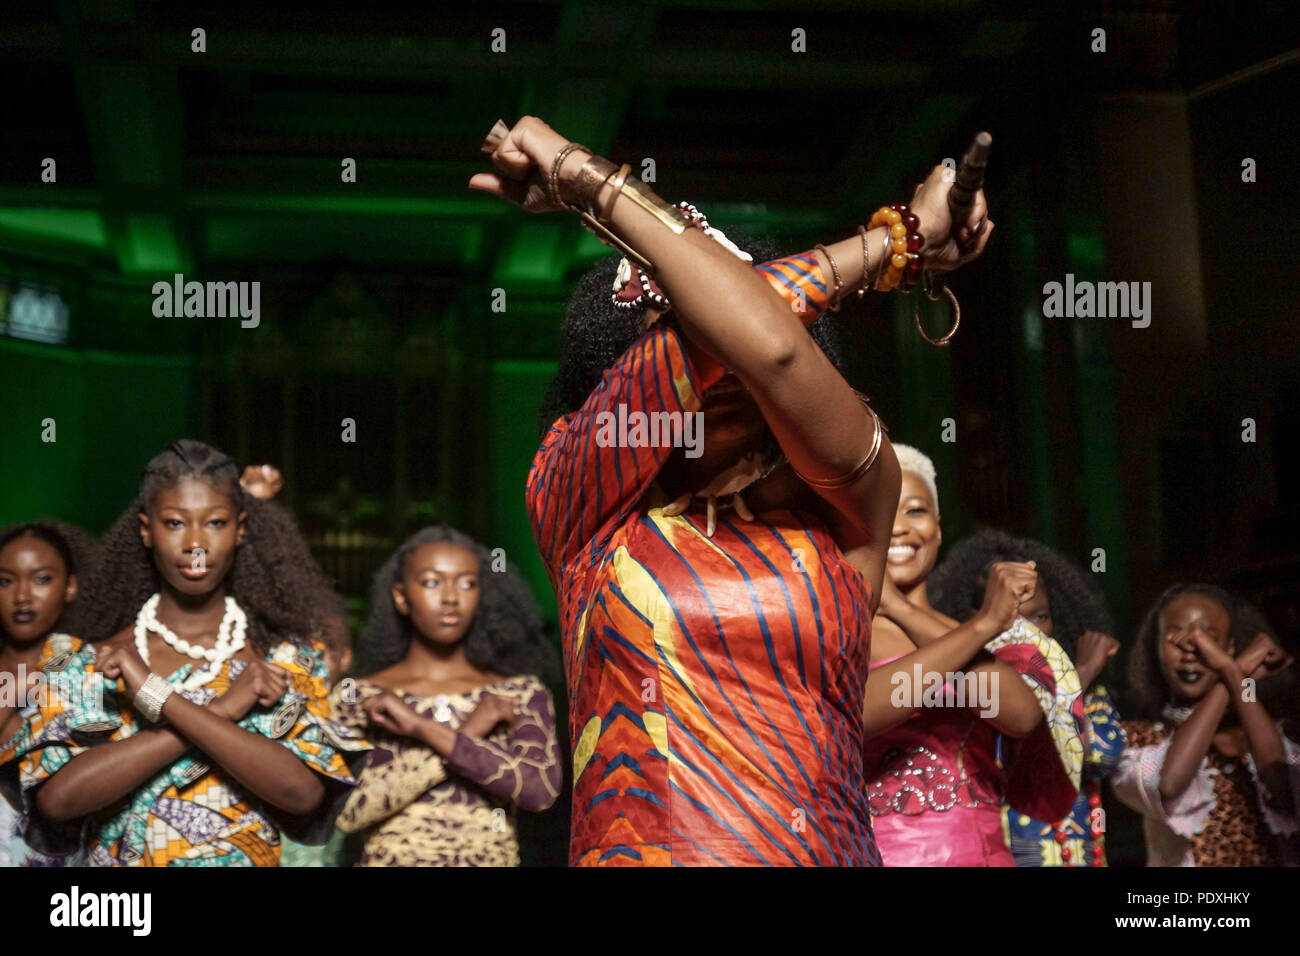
152	695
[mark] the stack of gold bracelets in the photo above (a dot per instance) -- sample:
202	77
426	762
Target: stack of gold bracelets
586	188
900	268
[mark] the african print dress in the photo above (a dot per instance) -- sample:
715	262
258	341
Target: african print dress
1035	842
14	851
936	786
190	813
421	809
1223	818
715	684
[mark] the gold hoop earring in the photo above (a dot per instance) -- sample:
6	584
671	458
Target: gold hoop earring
956	320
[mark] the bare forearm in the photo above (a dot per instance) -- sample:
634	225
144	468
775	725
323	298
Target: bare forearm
1191	742
1265	742
1088	672
106	773
847	254
950	653
921	626
263	766
727	309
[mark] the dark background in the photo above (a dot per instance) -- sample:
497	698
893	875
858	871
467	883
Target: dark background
1121	165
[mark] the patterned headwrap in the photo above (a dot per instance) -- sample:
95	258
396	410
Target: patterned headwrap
634	287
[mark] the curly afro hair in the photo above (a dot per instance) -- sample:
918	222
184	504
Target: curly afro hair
506	635
1148	691
956	587
77	548
275	579
596	333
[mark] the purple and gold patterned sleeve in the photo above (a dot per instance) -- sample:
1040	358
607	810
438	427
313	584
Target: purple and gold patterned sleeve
395	775
584	480
392	781
525	770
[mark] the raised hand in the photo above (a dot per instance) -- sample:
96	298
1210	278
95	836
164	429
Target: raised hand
492	709
1208	650
941	251
523	162
1010	584
1263	657
1094	648
125	663
262	481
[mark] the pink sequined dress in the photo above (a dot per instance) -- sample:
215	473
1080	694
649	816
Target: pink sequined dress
936	787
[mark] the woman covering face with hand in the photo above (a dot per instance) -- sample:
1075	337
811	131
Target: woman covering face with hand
715	595
1215	776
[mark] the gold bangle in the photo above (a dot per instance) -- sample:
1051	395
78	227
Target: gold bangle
643	196
620	178
834	303
586	185
553	181
863	467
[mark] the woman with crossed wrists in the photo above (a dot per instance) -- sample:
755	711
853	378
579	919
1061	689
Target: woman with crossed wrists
464	730
715	601
936	786
1213	771
198	726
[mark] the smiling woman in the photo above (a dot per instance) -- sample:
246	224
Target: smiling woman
247	747
1214	775
935	783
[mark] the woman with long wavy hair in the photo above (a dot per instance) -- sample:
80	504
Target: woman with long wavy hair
464	729
194	725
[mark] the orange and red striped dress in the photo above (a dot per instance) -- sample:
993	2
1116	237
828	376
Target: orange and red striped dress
715	684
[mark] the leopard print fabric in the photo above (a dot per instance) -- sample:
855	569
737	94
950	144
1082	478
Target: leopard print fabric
1235	833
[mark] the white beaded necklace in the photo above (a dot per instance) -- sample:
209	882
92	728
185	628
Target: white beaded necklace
230	640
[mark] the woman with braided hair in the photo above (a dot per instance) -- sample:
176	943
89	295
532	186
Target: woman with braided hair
712	504
196	609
